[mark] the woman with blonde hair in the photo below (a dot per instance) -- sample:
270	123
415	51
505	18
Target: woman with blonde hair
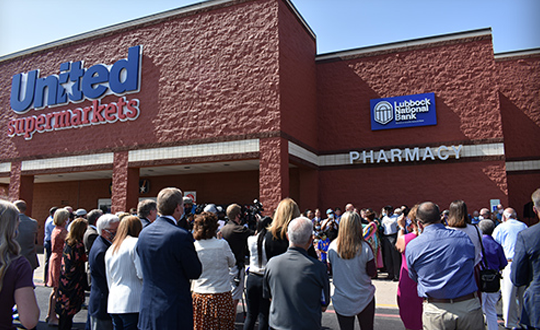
124	274
353	267
58	238
16	282
73	280
276	242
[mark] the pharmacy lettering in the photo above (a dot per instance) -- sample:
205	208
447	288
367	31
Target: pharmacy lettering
75	84
405	155
403	111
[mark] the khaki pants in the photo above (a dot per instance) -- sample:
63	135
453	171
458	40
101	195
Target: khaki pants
463	315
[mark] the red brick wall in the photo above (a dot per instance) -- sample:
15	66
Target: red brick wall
298	101
519	85
77	194
522	185
461	75
474	182
219	188
204	75
273	172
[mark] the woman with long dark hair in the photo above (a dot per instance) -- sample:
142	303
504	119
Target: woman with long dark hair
73	281
410	305
124	275
458	219
353	266
16	282
258	307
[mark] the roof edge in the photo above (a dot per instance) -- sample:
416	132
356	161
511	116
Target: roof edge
300	18
517	53
119	26
402	44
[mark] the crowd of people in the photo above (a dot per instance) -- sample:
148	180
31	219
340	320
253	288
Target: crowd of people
171	265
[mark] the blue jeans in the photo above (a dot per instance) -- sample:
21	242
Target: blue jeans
127	321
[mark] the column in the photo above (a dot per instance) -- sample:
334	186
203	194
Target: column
125	184
273	172
21	186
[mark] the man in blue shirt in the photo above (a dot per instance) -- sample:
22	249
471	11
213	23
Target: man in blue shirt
495	258
512	296
441	261
49	227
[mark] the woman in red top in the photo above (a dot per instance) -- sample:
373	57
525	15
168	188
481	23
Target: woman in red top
58	239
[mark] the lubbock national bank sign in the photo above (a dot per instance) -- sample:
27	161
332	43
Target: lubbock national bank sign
75	84
400	112
403	111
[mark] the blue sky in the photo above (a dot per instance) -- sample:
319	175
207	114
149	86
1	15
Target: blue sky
338	24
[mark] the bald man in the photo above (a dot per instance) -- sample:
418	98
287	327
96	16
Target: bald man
512	296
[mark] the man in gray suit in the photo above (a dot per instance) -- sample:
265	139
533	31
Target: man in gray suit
296	283
27	238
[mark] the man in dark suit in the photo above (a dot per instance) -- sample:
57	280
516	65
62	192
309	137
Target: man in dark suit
28	230
97	306
236	235
169	261
91	232
90	236
526	268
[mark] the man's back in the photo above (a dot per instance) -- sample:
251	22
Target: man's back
297	284
169	261
99	290
236	235
526	271
441	260
89	237
506	235
28	229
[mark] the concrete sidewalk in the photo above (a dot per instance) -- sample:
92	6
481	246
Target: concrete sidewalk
385	294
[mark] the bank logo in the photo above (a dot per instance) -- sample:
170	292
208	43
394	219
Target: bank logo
383	113
403	111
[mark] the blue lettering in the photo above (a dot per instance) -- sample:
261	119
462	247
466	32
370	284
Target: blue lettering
17	89
129	68
49	85
74	83
77	71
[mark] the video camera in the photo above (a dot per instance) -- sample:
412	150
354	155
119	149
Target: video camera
250	213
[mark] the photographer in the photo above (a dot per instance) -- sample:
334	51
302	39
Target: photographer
330	225
236	235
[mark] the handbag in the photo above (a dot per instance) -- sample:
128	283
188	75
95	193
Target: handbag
490	279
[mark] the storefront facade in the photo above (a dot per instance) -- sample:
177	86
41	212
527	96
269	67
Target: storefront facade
228	100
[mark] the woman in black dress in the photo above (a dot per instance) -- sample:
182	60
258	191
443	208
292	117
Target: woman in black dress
73	280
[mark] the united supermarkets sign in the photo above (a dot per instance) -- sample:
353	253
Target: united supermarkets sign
403	111
75	84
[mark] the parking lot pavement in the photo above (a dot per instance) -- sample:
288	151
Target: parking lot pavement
386	312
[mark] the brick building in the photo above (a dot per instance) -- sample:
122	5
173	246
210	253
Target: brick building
229	100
